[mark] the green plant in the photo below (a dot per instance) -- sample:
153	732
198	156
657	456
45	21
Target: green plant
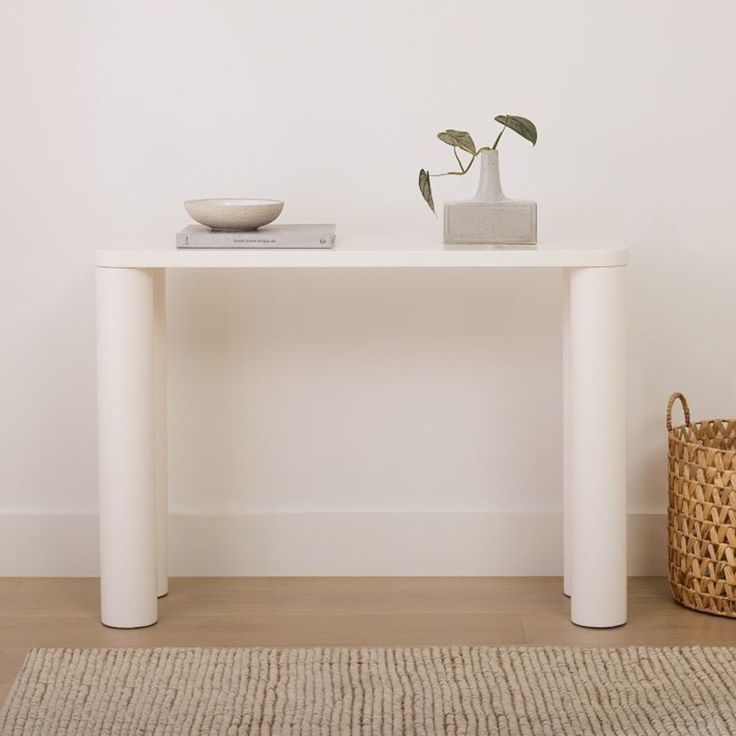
461	139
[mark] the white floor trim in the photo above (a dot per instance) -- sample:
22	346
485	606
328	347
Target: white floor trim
326	543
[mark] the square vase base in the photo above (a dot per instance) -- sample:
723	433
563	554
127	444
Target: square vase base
510	222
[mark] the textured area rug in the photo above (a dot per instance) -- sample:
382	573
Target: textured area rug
437	690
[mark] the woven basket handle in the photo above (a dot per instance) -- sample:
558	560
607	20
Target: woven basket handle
685	409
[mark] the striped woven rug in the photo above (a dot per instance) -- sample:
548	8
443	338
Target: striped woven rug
437	690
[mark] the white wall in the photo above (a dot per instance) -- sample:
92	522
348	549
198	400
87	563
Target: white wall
413	415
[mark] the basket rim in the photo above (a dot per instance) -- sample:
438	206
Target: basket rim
694	446
672	434
711	420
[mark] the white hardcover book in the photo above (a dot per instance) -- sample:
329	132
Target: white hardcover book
270	236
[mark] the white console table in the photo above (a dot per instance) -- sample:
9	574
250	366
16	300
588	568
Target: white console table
131	306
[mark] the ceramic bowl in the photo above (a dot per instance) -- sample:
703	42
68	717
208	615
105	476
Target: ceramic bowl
234	214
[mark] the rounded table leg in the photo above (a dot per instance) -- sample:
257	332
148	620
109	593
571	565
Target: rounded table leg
598	447
125	384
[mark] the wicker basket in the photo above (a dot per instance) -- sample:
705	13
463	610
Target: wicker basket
701	515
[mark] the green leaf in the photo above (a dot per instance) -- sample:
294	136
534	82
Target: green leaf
426	188
525	128
459	138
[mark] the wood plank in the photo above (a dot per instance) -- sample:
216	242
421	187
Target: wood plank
56	597
63	612
11	661
324	596
240	596
268	630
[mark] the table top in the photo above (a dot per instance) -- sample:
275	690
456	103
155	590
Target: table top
380	252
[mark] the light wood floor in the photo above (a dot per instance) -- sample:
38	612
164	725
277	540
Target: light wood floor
220	612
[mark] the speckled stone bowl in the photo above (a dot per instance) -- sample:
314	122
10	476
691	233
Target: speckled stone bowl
234	214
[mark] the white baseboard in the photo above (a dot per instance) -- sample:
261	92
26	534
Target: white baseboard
327	543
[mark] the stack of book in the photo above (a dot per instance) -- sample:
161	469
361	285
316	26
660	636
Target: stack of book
271	236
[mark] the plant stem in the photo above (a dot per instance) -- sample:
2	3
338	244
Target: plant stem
462	170
450	173
498	138
465	169
470	163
